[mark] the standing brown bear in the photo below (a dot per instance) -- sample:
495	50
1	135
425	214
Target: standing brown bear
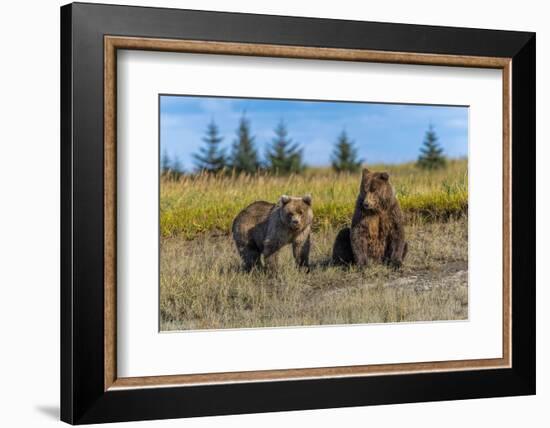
264	228
377	232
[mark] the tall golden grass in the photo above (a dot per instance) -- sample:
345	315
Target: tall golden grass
205	203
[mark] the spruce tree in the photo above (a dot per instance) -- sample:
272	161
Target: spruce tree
175	167
431	153
170	167
244	156
284	156
344	156
211	157
165	163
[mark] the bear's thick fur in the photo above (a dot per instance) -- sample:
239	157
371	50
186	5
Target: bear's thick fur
264	228
377	233
341	250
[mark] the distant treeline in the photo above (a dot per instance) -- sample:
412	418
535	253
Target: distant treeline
283	155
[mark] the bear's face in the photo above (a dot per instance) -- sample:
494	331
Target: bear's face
296	212
376	192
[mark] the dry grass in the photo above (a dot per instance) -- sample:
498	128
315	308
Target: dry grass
202	285
196	205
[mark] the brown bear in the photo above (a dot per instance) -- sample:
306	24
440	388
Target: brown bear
264	228
377	233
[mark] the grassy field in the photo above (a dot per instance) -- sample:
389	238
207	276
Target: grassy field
203	285
194	205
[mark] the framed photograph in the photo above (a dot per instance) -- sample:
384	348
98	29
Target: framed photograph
266	213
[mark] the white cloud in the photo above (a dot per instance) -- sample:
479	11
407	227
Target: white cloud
215	106
457	123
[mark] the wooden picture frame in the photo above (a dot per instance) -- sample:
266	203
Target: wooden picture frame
91	390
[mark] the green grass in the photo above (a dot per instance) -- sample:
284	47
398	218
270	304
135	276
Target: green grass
196	205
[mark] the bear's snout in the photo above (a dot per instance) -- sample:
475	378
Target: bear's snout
294	221
366	207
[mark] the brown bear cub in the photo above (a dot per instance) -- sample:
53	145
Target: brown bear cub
376	232
264	228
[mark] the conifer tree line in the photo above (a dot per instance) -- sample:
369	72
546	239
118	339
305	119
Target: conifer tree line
283	155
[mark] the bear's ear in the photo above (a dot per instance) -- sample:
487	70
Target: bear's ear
384	176
364	176
365	173
307	199
285	199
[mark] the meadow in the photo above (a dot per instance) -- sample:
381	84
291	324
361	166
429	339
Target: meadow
202	284
197	204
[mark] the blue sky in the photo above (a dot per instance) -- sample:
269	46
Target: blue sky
383	133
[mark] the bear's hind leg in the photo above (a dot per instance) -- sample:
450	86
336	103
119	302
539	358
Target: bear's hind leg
396	253
342	253
251	257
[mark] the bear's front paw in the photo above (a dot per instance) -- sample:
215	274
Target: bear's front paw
395	264
304	267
